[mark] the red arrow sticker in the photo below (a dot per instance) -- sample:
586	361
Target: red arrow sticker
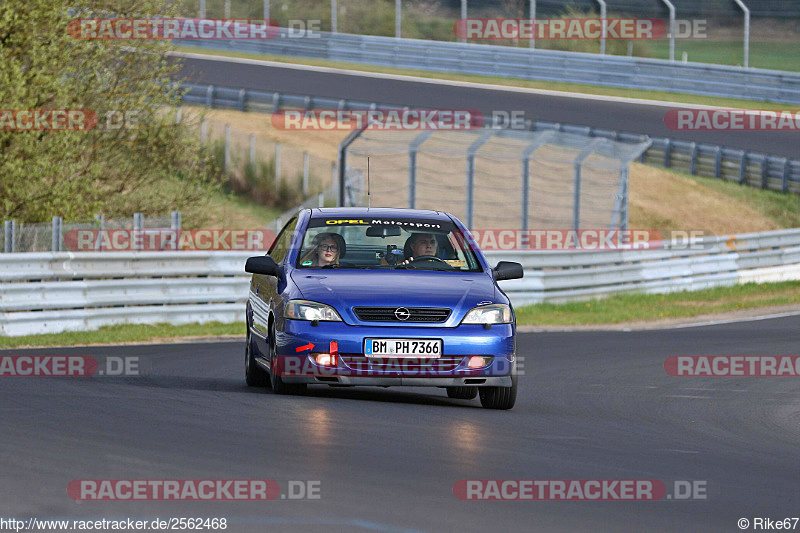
308	346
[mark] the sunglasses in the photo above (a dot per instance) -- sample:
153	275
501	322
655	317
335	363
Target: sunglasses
329	247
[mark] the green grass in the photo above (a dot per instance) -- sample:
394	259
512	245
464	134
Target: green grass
769	55
650	307
124	334
781	208
512	82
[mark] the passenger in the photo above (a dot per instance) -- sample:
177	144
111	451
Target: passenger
326	248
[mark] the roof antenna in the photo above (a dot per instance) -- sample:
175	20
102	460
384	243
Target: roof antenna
368	198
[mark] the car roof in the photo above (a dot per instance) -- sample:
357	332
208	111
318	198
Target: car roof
325	212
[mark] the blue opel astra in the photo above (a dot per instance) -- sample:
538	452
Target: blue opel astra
381	297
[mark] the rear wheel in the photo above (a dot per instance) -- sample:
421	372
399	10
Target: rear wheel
254	375
462	393
499	397
278	385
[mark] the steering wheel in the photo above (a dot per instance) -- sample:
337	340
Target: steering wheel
429	258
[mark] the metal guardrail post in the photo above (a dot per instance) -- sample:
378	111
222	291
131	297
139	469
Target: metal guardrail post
693	159
473	148
55	241
412	166
242	99
210	96
175	220
743	168
785	177
532	16
101	219
718	162
668	153
765	173
276	102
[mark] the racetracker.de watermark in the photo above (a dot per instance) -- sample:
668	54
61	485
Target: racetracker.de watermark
577	490
590	239
732	120
191	490
378	119
172	28
154	240
733	365
629	29
67	119
68	366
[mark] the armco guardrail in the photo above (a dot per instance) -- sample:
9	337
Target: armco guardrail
742	166
58	291
525	63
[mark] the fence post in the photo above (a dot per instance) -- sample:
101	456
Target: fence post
305	174
138	224
398	17
253	151
8	236
693	160
101	218
175	220
473	148
277	166
765	172
179	115
203	131
202	9
334	17
227	147
266	10
718	162
55	243
412	166
227	9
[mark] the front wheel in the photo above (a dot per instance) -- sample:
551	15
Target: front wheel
499	397
254	375
278	385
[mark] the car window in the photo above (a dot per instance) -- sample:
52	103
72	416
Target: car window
280	247
384	243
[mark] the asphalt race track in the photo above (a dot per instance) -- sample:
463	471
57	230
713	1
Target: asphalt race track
612	115
592	405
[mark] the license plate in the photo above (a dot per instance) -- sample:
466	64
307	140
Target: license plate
430	349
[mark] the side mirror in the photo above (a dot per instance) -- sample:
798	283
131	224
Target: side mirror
263	264
507	270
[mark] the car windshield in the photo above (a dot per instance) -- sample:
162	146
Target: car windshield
386	243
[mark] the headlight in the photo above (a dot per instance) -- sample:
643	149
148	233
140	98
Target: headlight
306	310
489	314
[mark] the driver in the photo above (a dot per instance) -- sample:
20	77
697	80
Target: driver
421	244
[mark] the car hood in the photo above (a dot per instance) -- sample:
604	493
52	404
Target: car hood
345	289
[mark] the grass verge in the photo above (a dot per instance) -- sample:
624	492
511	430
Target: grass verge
511	82
652	307
126	334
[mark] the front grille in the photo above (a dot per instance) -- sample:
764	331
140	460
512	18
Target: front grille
402	365
416	314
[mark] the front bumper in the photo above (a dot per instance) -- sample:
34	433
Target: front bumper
450	370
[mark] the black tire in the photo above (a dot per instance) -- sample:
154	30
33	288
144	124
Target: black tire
462	393
254	375
278	385
499	397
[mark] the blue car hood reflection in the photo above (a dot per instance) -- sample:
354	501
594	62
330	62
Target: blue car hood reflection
345	289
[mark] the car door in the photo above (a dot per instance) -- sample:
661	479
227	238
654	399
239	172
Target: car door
266	290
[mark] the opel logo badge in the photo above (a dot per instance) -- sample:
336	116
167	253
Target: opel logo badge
401	313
